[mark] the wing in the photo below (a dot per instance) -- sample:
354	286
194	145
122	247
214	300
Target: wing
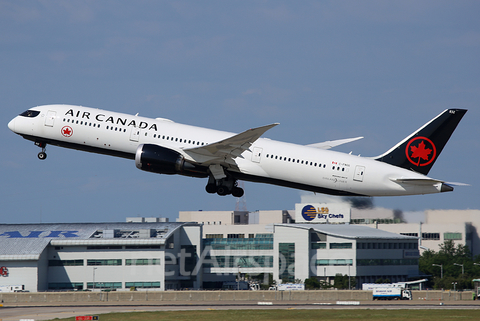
332	143
225	151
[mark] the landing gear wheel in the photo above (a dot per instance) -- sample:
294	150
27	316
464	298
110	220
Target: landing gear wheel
211	188
237	192
42	155
222	190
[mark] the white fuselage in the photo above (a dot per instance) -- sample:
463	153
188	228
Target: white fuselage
268	161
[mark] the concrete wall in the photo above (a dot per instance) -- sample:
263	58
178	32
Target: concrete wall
200	296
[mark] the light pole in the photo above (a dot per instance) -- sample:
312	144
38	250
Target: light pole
94	277
461	266
349	276
454	286
441	269
238	281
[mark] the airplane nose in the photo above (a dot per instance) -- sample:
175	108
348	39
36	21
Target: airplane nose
11	125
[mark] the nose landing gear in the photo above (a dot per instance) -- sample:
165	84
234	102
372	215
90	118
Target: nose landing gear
42	155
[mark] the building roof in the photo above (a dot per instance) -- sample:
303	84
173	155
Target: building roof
350	231
28	241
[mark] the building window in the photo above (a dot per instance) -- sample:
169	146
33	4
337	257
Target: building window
335	262
264	236
190	252
410	234
66	286
65	262
104	285
214	236
105	262
318	246
452	236
238	261
373	262
143	285
431	236
286	261
142	262
261	242
334	246
236	236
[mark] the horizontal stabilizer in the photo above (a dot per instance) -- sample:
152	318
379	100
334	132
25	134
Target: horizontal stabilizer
417	181
332	143
440	185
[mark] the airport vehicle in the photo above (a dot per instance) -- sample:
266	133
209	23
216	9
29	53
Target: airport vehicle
392	293
12	288
288	287
165	147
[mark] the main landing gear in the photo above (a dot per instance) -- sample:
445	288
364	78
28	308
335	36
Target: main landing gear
224	186
42	155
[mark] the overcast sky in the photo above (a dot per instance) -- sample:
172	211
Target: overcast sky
323	69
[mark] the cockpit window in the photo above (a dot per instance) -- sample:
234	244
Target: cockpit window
30	113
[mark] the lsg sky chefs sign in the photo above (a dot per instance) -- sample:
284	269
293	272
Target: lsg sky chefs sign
322	213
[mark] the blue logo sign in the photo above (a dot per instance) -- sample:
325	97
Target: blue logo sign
309	213
36	234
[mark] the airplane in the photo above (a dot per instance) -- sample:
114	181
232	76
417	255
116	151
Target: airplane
165	147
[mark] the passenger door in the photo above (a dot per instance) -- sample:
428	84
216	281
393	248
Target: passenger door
135	134
50	119
257	154
359	171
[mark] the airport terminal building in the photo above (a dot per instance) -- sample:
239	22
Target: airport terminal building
170	256
94	256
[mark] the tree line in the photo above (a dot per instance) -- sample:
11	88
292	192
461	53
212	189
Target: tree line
456	264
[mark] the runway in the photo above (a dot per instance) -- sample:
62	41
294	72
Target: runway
48	312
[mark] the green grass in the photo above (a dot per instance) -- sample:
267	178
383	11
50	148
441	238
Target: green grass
294	314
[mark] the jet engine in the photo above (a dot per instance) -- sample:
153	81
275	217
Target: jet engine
162	160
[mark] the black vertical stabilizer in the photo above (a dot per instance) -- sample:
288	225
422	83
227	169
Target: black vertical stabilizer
419	151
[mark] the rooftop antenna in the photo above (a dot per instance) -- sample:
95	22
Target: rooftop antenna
241	201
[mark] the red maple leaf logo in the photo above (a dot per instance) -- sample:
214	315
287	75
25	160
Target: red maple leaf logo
421	152
67	131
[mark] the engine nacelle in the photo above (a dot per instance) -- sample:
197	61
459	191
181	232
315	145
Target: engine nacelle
162	160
